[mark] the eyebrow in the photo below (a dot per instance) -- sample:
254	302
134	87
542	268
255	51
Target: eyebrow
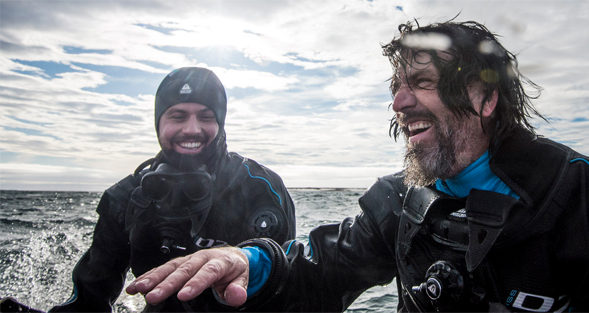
430	70
177	110
414	74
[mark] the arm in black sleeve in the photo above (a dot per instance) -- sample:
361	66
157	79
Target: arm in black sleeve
343	261
99	275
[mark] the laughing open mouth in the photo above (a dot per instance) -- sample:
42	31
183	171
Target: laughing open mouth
193	145
418	127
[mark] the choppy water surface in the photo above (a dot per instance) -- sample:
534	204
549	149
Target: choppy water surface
43	234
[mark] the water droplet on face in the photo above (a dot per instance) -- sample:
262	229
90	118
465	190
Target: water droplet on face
264	225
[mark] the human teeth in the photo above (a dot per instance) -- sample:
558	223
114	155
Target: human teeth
190	145
419	125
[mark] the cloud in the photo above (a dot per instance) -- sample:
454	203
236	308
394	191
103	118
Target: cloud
253	79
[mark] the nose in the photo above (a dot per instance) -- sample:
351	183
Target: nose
404	98
192	126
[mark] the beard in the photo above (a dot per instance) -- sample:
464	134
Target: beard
455	137
206	160
186	162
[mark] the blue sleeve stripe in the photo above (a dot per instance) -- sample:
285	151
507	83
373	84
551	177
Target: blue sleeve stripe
264	179
580	159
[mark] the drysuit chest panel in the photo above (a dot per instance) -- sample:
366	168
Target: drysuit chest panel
461	233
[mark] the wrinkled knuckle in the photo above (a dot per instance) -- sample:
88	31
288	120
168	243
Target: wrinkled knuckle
171	265
214	268
181	260
227	258
186	268
236	261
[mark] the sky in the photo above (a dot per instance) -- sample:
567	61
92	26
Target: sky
306	81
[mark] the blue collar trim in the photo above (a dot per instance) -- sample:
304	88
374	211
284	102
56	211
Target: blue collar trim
478	175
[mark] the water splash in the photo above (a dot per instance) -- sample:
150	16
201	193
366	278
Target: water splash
43	267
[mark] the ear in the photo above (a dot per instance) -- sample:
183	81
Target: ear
490	104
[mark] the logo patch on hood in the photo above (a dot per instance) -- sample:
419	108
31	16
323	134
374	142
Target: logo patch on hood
185	89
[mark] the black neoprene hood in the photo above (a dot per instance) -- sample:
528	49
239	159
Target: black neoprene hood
193	85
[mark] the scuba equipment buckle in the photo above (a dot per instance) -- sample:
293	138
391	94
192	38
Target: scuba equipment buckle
441	278
447	287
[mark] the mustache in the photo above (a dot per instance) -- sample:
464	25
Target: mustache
183	137
402	118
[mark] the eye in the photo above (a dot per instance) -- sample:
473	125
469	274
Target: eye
424	83
395	86
207	117
178	117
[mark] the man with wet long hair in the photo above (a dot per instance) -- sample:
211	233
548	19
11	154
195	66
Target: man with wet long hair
485	216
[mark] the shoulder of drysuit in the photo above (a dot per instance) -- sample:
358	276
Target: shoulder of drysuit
384	199
531	165
238	168
115	199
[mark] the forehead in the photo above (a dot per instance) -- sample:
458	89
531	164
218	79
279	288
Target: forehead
414	64
420	61
188	107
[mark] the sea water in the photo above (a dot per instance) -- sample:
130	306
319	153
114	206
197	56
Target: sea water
43	234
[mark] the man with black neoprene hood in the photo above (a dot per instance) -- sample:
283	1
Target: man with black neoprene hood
192	196
485	215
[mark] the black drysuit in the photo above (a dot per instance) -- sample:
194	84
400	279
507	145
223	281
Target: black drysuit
530	254
249	201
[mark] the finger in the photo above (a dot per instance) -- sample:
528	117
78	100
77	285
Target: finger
210	273
174	280
152	278
132	288
225	266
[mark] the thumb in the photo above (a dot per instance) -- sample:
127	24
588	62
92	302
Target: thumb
235	294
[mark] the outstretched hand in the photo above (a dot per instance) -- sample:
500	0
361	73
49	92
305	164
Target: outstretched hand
224	269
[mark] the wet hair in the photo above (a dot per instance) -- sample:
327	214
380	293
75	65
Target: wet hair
474	56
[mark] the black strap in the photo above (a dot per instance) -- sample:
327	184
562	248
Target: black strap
415	207
144	165
486	212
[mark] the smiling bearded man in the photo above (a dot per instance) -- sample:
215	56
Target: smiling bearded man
440	143
192	196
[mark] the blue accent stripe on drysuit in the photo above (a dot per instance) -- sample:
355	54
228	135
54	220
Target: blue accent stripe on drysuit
264	179
289	246
580	159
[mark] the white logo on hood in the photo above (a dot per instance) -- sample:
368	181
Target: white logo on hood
185	89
